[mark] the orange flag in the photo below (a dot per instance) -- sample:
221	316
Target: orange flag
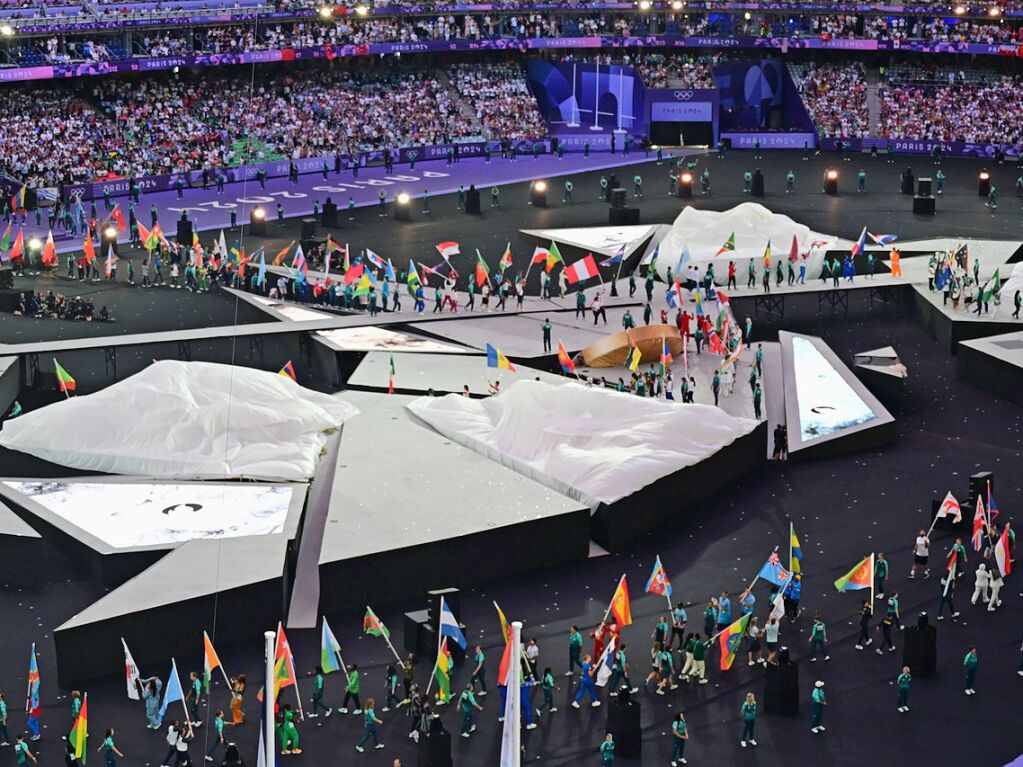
49	251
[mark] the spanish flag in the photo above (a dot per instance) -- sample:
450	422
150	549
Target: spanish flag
620	607
496	359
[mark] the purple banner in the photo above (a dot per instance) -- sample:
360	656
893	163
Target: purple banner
925	146
768	140
503	44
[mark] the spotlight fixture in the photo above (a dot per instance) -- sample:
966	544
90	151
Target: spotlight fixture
110	240
402	208
257	222
361	10
259	213
110	232
747	16
831	182
644	5
7	30
677	5
540	186
326	12
994	10
35	244
685	185
959	10
538	194
983	183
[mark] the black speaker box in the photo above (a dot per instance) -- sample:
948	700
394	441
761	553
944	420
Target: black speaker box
758	184
924	186
618	197
920	650
622	216
417	639
434	748
308	228
781	689
923	206
328	217
623	724
184	233
472	201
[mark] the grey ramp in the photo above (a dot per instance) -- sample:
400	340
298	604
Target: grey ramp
419	372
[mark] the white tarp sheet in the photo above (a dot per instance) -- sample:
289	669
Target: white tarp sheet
186	420
593	444
705	231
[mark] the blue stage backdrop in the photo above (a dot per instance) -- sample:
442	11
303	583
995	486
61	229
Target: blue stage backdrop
760	96
575	97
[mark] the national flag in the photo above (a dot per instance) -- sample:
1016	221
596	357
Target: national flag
883	239
80	731
111	262
496	359
354	274
767	255
794	250
373	626
953	562
722	299
671	297
567	365
860	577
992	509
64	380
652	263
666	358
389	274
89	250
818	244
773	572
730	639
390	378
131	672
365	283
447	249
658	582
606	662
173	691
1002	553
442	671
620	607
144	236
553	256
49	257
261	276
449	626
991	288
288	371
330	650
540	255
505	666
950	507
284	663
683	259
32	693
777	606
281	254
118	218
617	258
434	269
482	270
374	259
860	244
634	358
210	661
795	550
581	270
5	240
728	246
298	263
505	628
506	258
412	279
18	248
18	198
979	522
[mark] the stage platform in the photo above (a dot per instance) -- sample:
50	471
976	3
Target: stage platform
994	364
951	329
411	510
20	550
418	373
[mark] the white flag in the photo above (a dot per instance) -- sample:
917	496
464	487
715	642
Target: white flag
511	750
950	506
222	243
131	672
607	664
778	606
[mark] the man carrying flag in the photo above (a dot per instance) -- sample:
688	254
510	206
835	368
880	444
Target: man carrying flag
666	358
979	524
620	606
482	270
730	639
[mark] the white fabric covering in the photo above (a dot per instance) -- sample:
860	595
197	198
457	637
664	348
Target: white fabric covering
593	444
705	231
186	420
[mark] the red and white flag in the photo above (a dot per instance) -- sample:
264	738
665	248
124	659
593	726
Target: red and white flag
950	508
1002	556
448	249
979	521
581	270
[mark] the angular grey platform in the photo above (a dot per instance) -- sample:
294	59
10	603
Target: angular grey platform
20	550
994	364
827	409
411	510
417	373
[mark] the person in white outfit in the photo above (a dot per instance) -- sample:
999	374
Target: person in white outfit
982	582
996	588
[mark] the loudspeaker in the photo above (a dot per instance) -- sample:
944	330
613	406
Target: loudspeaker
923	206
907	181
417	638
434	747
453	599
623	724
781	689
923	186
308	228
984	184
622	216
328	217
472	201
232	756
758	184
184	234
920	649
618	197
831	183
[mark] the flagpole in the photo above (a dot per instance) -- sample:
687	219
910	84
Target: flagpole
184	707
872	581
269	640
790	543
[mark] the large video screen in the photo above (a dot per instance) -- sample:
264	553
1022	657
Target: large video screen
128	514
827	403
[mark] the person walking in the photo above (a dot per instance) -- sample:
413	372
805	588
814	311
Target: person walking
238	699
866	613
217	736
921	553
575	646
548	687
151	696
749	721
22	752
817	703
352	691
886	633
970	665
903	681
880	574
818	639
109	750
318	695
391	687
586	686
679	736
982	582
479	671
948	586
371	721
467	703
607	751
289	732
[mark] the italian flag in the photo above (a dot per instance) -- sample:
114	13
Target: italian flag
64	380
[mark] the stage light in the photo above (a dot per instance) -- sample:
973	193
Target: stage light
685	185
110	232
110	240
677	5
994	10
361	10
402	209
35	244
538	194
257	222
7	30
747	16
644	5
831	182
325	12
960	10
983	183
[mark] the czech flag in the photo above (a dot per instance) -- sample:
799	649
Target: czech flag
730	640
883	239
288	371
620	606
448	249
496	359
860	577
860	244
567	366
658	582
581	270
